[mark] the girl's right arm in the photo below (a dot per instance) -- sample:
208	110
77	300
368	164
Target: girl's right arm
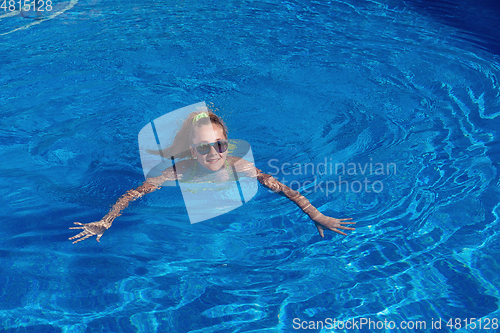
98	228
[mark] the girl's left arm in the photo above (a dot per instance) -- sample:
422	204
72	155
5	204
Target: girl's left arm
321	221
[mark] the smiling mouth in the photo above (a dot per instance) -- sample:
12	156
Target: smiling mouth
213	160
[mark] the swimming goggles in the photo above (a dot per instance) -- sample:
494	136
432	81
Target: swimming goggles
204	147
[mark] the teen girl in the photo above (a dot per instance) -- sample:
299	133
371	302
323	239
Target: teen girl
201	146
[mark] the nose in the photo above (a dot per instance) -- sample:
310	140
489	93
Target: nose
212	151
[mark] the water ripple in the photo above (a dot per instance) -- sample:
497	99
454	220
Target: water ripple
363	84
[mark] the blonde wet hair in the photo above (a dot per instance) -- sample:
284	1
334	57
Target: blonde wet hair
184	138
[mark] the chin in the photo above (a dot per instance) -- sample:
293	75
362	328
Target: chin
214	166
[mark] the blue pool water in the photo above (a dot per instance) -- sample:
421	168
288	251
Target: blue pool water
405	87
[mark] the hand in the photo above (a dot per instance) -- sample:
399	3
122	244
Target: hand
90	229
324	222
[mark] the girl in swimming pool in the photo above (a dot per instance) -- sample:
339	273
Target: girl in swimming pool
203	137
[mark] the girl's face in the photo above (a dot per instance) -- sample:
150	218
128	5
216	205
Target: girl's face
214	160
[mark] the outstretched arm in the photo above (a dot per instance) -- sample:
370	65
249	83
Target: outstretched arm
321	221
98	228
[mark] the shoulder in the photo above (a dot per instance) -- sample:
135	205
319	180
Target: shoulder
243	166
181	169
184	166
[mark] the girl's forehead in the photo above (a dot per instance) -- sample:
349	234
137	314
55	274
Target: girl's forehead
208	132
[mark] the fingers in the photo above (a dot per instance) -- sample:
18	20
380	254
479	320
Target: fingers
320	230
81	234
84	234
81	239
340	220
78	223
346	228
341	227
338	231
